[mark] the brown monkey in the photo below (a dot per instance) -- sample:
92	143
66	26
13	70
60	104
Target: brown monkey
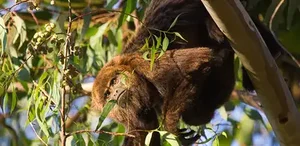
184	83
172	88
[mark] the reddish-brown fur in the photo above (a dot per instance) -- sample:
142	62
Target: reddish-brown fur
173	85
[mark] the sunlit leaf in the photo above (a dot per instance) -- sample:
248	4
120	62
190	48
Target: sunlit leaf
224	134
148	138
127	10
3	35
216	142
106	109
165	43
111	3
96	38
158	41
152	56
40	118
174	22
170	138
146	55
223	112
5	103
179	35
42	78
21	30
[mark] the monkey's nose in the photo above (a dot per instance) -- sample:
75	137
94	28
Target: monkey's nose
117	93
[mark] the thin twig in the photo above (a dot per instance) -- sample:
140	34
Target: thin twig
33	16
66	50
9	8
101	132
37	135
274	13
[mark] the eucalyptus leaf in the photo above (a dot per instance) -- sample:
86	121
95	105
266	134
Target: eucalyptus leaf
129	7
179	35
174	22
86	21
21	30
148	138
170	138
106	109
165	43
3	35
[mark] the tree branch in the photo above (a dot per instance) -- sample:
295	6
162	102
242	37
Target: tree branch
270	86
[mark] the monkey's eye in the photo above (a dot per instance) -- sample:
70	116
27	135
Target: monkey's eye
106	93
113	81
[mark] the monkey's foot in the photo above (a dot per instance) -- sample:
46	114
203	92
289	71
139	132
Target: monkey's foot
188	136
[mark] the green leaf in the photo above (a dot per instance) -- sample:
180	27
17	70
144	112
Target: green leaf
30	114
112	38
165	44
158	41
145	47
129	7
224	134
170	138
21	30
148	138
5	103
42	78
39	110
145	55
152	56
94	40
174	22
179	35
216	142
106	109
3	35
5	81
86	21
111	3
223	112
253	114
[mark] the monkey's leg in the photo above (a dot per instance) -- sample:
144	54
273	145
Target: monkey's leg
174	108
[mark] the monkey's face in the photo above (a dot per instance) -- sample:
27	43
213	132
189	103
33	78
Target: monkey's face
131	91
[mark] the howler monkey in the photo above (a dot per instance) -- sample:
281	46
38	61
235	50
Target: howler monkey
190	81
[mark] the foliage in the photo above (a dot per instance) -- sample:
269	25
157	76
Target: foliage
47	53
